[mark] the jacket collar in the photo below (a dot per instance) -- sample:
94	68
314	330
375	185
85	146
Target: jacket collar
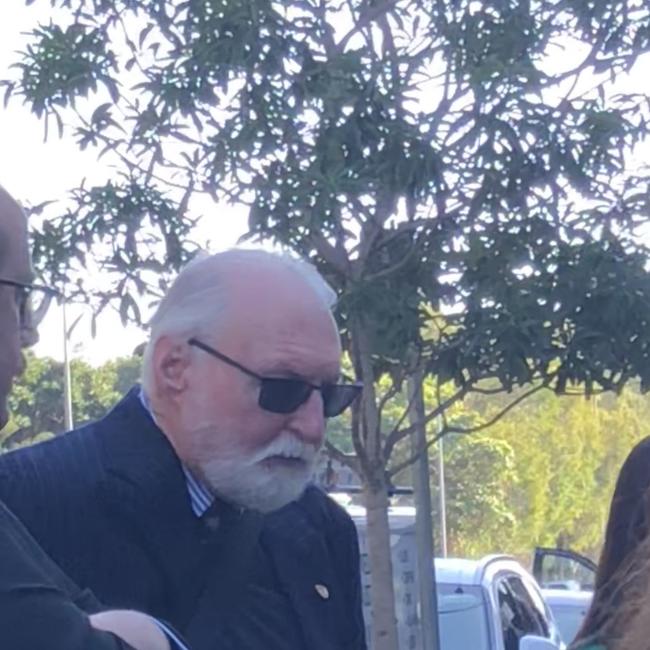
144	486
138	454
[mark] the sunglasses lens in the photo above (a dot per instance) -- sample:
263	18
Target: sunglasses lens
337	397
283	395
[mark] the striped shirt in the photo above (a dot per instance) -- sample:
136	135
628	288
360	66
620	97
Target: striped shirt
200	497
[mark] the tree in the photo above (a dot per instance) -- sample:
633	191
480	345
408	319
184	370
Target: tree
565	458
36	402
543	475
429	157
480	472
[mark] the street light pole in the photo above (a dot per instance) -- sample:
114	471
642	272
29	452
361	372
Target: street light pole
423	517
67	379
442	497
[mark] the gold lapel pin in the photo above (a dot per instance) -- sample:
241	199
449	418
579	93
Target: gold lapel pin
322	591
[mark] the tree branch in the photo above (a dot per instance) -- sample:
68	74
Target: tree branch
333	255
386	397
498	416
447	430
393	437
390	270
393	471
370	230
331	49
349	460
397	434
487	391
365	21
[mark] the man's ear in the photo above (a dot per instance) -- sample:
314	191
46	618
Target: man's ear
171	359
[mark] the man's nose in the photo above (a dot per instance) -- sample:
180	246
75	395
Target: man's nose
308	422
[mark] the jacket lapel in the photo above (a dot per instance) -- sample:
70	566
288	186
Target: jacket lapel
144	486
304	570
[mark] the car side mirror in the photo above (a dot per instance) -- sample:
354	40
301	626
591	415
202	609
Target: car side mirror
537	643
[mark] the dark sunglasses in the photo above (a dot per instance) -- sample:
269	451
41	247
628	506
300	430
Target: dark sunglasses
283	395
32	300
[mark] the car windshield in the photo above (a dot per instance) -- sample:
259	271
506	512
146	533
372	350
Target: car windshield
463	618
568	620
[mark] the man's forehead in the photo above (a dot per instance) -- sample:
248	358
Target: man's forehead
307	353
281	342
275	310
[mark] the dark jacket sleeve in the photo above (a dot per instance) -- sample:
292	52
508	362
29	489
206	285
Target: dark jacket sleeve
37	609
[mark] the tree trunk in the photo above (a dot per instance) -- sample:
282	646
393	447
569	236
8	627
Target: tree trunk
423	516
373	468
382	593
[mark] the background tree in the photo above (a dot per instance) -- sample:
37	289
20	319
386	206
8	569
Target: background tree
566	455
36	402
480	473
430	157
543	475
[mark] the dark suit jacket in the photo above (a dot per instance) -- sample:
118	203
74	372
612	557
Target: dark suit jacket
109	503
40	607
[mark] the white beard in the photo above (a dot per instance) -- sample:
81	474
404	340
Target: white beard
243	479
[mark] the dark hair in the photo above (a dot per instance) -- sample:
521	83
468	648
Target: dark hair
627	527
630	623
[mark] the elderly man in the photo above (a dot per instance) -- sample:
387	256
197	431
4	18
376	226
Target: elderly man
192	490
40	607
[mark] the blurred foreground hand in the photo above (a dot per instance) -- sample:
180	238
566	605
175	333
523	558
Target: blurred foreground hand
137	629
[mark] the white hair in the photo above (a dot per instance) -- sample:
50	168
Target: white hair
197	299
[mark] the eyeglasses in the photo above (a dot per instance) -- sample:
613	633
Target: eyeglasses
32	300
283	395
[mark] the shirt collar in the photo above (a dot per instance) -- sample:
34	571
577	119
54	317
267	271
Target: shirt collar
200	496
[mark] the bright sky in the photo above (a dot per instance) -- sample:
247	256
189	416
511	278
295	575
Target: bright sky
34	171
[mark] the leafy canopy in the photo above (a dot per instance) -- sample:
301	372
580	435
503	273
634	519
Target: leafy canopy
466	158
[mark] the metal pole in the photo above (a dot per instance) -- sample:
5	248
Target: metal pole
67	379
423	519
443	498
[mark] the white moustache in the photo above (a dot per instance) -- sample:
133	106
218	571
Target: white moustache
287	446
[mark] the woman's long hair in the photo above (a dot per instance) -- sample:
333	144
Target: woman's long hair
625	620
627	530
